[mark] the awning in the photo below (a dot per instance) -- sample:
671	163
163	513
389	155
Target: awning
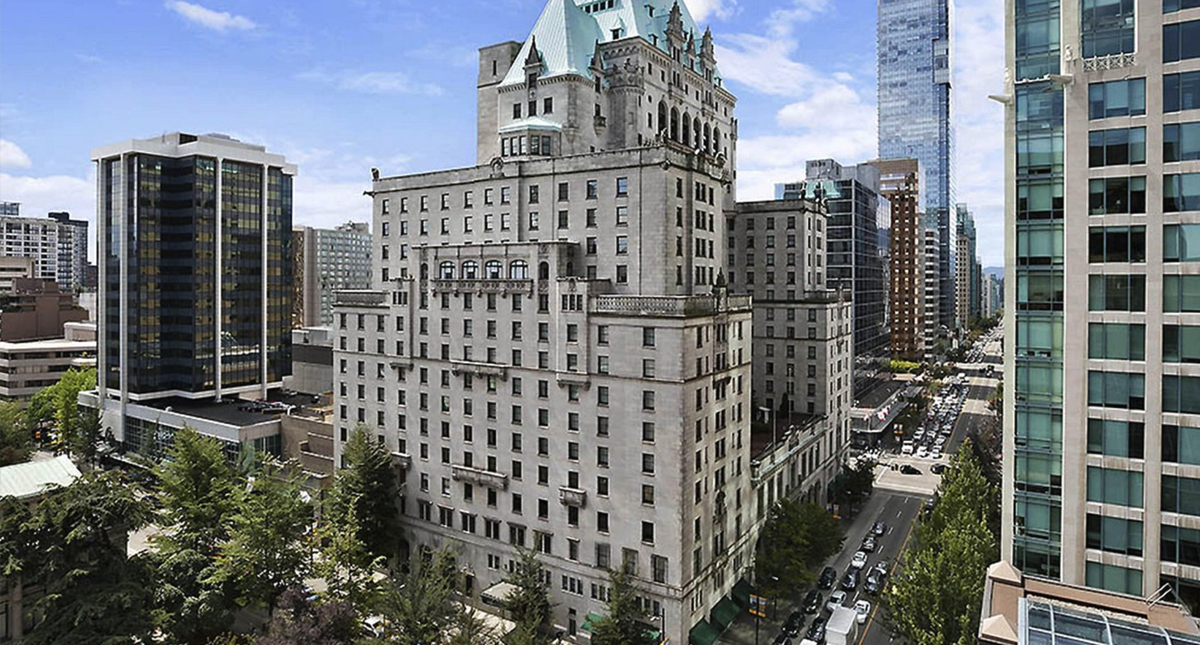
725	612
497	594
703	634
589	621
741	593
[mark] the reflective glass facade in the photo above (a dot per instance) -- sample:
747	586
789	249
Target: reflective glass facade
914	99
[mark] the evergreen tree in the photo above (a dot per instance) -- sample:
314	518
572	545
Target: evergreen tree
422	609
16	443
626	622
369	484
73	541
529	603
345	564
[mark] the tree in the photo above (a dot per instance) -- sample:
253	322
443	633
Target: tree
422	609
936	598
368	483
198	494
73	542
60	403
15	440
346	565
298	621
795	538
529	603
626	621
996	400
469	628
266	552
854	485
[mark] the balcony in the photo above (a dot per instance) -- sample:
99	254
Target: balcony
572	497
485	478
360	298
573	378
503	286
669	306
479	369
402	459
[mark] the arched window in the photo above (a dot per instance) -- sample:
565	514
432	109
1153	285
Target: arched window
470	270
518	270
662	119
687	129
674	124
544	271
446	270
424	271
695	133
494	269
716	141
707	138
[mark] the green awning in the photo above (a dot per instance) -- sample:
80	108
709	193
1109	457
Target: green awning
741	593
703	634
725	612
590	620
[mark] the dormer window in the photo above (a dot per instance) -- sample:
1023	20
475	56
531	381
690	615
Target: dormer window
532	82
616	33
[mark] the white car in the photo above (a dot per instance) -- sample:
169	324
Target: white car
922	452
907	448
859	560
836	599
862	609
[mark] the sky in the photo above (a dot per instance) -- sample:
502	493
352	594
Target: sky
341	86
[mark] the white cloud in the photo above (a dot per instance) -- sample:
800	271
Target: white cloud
41	195
781	22
371	82
702	9
12	156
764	65
216	20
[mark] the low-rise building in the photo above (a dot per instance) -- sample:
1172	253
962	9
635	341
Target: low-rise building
26	367
13	268
37	309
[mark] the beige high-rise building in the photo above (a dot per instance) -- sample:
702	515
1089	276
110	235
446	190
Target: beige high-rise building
1102	312
550	348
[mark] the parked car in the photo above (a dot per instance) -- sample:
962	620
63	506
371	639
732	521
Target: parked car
862	609
909	469
828	577
850	580
782	639
937	469
859	560
794	623
906	448
812	601
836	599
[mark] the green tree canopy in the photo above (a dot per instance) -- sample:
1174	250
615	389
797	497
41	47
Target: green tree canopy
626	622
301	622
16	443
529	604
60	403
421	608
795	539
369	485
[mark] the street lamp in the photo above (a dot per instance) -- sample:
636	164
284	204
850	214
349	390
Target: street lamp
757	602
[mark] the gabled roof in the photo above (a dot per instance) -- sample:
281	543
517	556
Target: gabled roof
567	31
33	478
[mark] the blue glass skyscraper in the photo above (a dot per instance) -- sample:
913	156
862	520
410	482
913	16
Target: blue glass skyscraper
915	115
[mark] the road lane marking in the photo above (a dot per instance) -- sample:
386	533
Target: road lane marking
891	572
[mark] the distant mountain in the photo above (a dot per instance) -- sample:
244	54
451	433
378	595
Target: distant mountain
996	271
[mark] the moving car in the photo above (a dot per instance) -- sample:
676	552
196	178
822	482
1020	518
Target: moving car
812	601
782	639
906	448
794	623
874	582
862	609
850	580
937	469
836	599
859	560
879	529
828	577
868	543
816	631
909	469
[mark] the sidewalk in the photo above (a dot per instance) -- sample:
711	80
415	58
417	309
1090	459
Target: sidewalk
741	631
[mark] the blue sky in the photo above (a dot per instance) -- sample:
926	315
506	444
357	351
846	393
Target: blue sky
340	86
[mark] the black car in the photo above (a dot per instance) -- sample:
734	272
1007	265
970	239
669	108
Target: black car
794	623
816	631
782	639
812	602
908	469
828	577
937	468
850	580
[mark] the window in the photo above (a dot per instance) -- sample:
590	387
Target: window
1181	344
1117	341
1125	97
1117	244
622	186
622	244
1181	41
1181	91
516	110
647	337
1180	545
648	532
1181	293
548	105
1116	147
1117	195
1117	292
658	566
1180	495
622	215
1181	142
1181	445
603	555
622	274
591	191
1114	535
1116	438
647	463
1181	394
1036	291
1114	578
1120	487
1107	27
1120	390
1181	243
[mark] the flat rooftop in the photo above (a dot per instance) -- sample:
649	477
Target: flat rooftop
879	394
230	411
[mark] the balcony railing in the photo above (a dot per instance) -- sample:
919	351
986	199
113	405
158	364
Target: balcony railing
360	298
479	369
669	306
1113	61
572	497
485	478
443	285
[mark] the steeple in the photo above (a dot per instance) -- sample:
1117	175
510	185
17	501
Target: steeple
675	23
707	51
534	58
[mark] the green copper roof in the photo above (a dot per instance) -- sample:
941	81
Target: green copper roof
568	30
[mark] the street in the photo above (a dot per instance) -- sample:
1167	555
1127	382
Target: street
897	501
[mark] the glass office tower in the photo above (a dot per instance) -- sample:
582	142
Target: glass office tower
1102	469
915	116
